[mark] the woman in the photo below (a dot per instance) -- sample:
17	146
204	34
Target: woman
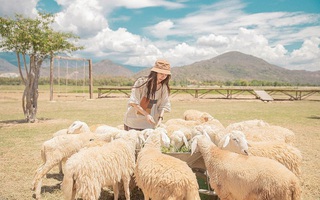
149	98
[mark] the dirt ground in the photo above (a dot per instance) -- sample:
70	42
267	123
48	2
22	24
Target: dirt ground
20	142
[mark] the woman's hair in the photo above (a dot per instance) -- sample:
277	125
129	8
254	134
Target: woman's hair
151	83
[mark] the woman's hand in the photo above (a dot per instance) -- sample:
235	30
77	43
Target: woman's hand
159	122
150	119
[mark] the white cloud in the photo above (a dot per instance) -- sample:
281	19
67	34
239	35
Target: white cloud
308	55
161	29
84	18
27	8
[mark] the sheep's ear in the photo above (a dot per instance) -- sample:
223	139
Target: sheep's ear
194	145
249	145
206	134
165	139
226	141
141	137
185	141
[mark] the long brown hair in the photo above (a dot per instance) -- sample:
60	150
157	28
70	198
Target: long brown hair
151	83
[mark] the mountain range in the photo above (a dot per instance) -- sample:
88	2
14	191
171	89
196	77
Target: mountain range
229	66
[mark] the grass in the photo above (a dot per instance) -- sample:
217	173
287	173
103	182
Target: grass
20	142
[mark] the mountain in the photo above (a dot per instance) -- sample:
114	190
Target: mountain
7	69
75	69
108	68
239	66
229	66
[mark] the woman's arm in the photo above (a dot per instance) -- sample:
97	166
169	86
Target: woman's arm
145	113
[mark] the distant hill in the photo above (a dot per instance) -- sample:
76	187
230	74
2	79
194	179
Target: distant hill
6	67
108	68
229	66
239	66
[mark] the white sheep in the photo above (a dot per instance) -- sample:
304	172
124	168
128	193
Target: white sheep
105	129
178	139
91	169
161	176
58	149
215	133
284	153
258	130
197	115
75	128
247	124
178	121
239	177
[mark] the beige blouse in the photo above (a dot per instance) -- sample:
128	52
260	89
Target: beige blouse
138	95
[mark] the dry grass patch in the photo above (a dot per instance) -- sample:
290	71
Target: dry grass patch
20	142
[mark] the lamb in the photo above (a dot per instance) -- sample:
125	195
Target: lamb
87	171
258	130
106	129
178	139
178	121
236	141
244	125
161	176
284	153
239	177
58	149
75	128
197	115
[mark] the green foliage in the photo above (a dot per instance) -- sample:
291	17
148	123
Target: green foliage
34	36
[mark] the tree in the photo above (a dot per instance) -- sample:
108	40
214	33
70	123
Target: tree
36	40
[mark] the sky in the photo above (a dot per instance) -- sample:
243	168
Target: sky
285	33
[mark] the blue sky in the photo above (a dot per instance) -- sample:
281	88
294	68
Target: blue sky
282	32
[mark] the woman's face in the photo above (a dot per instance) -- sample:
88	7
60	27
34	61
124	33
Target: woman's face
161	77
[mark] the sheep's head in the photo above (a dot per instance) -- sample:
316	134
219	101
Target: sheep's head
195	141
235	142
177	139
165	140
78	127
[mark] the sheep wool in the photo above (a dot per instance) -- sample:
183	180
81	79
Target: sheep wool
161	176
91	169
284	153
240	177
197	115
56	150
259	131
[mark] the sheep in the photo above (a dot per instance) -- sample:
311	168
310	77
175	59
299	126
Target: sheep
244	125
105	129
197	115
165	140
60	132
91	169
239	177
215	134
58	149
284	153
75	128
161	176
78	127
236	141
178	139
178	121
258	130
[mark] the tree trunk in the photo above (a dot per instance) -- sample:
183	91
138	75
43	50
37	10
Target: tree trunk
30	95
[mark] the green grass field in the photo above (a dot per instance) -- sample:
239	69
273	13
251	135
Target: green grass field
20	142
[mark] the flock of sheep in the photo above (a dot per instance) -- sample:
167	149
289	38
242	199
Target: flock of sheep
245	160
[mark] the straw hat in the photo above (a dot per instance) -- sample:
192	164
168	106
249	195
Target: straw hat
161	66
